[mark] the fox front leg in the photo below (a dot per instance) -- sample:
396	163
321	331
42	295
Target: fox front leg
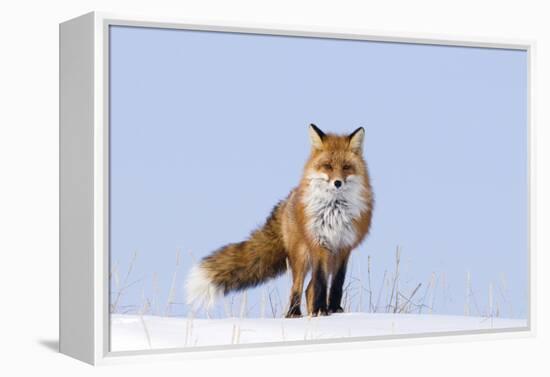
316	292
338	272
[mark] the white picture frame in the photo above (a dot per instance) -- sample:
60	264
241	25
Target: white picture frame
84	186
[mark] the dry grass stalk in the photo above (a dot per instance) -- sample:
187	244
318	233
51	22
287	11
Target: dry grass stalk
124	285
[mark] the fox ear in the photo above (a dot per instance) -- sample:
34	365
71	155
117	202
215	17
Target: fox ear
317	136
356	140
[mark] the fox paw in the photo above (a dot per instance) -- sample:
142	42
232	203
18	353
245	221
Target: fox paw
294	314
337	309
321	312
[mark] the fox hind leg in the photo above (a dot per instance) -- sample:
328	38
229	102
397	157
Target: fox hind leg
298	265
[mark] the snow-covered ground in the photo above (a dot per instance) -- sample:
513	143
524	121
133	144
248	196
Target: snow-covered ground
134	332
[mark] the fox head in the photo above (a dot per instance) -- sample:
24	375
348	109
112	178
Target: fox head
336	160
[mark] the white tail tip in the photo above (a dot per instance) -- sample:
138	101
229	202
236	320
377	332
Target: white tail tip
199	289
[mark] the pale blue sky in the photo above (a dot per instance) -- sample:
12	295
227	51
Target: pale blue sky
209	131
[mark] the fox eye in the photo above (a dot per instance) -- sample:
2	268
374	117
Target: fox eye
346	167
327	166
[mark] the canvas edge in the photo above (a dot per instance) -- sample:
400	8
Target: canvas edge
315	31
532	189
102	21
76	191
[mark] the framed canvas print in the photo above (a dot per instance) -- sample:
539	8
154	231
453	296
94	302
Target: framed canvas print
237	188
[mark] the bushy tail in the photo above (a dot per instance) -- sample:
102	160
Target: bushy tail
238	266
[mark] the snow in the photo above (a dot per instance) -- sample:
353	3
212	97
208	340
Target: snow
134	332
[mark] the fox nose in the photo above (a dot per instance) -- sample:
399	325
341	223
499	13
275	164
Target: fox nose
337	183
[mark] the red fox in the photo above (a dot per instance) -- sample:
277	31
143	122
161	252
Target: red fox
315	229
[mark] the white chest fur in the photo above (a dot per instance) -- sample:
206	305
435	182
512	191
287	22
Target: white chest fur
331	211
